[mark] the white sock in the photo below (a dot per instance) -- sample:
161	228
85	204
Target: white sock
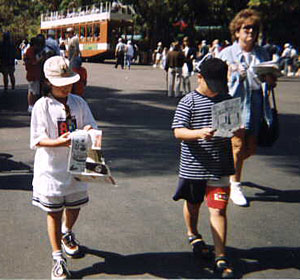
64	229
235	184
57	255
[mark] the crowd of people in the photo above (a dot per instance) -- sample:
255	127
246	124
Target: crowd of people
34	55
224	71
180	59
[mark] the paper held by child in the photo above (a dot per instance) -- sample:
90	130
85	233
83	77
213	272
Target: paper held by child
226	117
86	161
267	68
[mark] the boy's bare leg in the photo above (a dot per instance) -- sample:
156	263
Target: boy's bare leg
191	215
218	223
54	229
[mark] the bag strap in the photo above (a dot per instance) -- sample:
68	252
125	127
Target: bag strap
273	97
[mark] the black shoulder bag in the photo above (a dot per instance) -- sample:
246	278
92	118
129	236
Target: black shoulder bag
269	133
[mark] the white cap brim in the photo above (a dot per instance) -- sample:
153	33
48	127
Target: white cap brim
63	81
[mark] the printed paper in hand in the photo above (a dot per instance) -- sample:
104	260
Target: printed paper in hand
86	161
267	68
226	117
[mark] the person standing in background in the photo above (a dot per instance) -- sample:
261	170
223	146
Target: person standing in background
120	53
33	60
174	63
241	56
73	46
187	68
7	59
78	87
129	54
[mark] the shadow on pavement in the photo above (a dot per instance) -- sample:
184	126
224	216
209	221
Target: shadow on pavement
270	194
137	135
287	147
175	265
252	260
182	265
13	109
14	175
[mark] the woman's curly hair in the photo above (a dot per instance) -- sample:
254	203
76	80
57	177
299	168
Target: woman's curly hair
247	15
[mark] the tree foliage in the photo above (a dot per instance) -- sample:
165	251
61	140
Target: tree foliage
159	20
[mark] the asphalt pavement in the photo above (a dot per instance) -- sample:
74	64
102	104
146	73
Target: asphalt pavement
136	230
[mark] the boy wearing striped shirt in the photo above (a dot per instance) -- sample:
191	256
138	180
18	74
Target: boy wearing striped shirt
206	161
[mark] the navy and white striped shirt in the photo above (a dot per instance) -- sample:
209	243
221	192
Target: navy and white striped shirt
202	159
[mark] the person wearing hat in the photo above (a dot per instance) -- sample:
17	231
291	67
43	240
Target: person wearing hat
55	190
286	57
206	162
73	45
241	57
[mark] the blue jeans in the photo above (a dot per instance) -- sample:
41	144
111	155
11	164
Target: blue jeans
253	120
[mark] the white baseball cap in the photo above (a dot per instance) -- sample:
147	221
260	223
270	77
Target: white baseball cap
58	72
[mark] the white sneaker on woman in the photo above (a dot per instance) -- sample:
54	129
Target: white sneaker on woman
236	194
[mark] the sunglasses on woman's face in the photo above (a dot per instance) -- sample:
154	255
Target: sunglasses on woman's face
249	27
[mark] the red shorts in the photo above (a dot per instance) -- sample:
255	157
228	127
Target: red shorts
217	197
216	192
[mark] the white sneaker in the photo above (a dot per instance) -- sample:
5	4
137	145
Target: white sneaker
60	270
236	194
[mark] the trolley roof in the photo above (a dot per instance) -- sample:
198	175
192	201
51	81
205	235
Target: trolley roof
93	13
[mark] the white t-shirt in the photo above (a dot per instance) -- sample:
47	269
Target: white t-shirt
48	120
251	60
130	50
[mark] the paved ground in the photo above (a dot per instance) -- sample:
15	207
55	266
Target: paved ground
135	230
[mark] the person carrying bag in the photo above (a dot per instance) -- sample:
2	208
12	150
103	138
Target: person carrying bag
269	130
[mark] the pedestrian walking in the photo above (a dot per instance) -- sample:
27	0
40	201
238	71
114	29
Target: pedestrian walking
73	45
33	65
7	60
187	68
129	54
78	87
203	50
51	44
55	190
205	161
174	63
241	56
157	55
120	53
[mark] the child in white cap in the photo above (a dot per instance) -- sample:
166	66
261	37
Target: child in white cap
55	190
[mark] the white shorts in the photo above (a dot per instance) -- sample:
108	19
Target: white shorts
58	203
34	87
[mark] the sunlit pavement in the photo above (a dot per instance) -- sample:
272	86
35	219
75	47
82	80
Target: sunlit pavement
135	230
